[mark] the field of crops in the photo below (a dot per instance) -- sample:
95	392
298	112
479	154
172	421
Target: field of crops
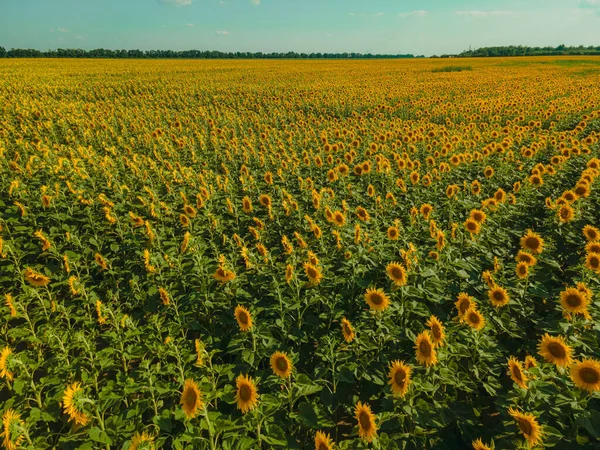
298	255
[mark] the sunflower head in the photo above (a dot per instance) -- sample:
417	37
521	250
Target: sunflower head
73	404
397	273
246	395
143	441
586	374
532	242
555	350
13	430
347	330
437	331
393	233
478	216
399	378
592	261
377	299
479	445
191	399
243	318
530	362
498	296
591	233
313	273
526	257
323	441
565	213
528	426
515	371
472	226
425	349
522	270
463	303
281	365
474	318
574	301
367	428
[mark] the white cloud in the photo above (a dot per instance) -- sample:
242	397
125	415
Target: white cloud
189	25
255	2
62	30
80	37
417	13
222	33
175	2
328	34
484	13
379	14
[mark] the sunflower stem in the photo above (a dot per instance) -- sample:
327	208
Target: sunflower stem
210	433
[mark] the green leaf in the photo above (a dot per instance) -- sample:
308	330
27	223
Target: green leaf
97	435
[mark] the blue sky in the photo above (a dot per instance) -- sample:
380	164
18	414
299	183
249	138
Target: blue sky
377	26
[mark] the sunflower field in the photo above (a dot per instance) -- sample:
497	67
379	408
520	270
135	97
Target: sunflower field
300	254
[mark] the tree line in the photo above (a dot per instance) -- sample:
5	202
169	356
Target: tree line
185	54
520	50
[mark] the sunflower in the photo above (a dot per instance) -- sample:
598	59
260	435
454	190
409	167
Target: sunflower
488	172
72	404
515	370
528	425
362	214
479	445
323	441
144	441
367	429
472	226
591	233
474	319
426	210
281	364
397	273
526	257
164	296
246	395
565	213
437	331
586	374
574	301
347	330
191	399
247	204
4	364
223	275
289	273
12	430
399	376
338	218
555	350
377	299
34	278
498	296
184	220
265	201
313	273
592	247
522	270
425	350
530	362
463	303
592	262
478	216
532	242
393	233
243	317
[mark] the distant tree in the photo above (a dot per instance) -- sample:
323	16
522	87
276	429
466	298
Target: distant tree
2	52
